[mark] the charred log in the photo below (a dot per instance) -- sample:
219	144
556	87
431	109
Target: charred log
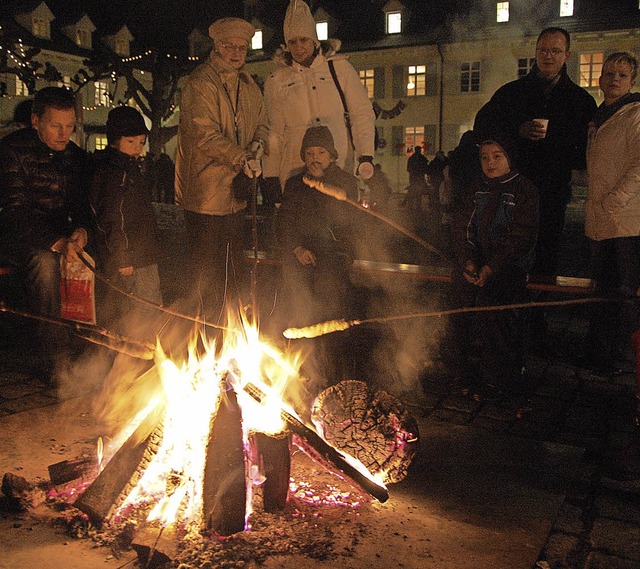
375	427
100	500
317	448
156	547
272	456
224	491
68	470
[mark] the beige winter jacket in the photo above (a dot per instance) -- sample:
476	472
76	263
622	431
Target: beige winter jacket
209	155
612	208
298	97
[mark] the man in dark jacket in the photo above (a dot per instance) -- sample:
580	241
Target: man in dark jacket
44	209
548	152
417	166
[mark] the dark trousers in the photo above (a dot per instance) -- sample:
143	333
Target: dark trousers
553	208
494	338
616	270
215	259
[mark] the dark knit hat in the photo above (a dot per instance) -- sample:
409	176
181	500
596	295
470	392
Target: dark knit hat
508	147
318	136
124	121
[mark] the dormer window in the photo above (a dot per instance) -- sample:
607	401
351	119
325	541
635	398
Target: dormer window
502	12
83	38
41	28
322	30
256	40
566	8
394	22
122	47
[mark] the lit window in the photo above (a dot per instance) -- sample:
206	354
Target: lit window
101	94
394	22
524	66
256	40
566	8
21	87
470	77
417	80
40	28
101	141
66	82
502	12
367	78
322	30
413	136
590	68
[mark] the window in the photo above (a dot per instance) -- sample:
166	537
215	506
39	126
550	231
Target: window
41	28
502	12
322	30
102	98
524	66
101	141
66	82
122	47
413	136
83	38
367	77
394	22
470	77
417	80
590	68
21	87
256	40
566	8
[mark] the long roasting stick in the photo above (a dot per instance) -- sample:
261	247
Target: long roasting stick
325	450
330	326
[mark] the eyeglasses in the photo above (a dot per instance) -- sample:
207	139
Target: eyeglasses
234	47
556	52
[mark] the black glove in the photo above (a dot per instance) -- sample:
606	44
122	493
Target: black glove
271	191
242	186
365	167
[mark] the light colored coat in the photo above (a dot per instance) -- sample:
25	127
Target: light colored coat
208	155
299	97
612	208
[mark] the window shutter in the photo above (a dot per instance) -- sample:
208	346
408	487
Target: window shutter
432	76
378	83
429	138
399	81
397	140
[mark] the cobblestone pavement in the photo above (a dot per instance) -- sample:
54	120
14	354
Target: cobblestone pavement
598	525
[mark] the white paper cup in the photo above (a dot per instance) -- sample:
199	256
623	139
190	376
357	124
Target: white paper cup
544	123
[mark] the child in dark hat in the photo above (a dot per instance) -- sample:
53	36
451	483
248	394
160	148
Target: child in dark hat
494	233
120	195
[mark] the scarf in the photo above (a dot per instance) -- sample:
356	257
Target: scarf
605	112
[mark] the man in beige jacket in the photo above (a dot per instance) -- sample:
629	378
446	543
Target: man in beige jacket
222	128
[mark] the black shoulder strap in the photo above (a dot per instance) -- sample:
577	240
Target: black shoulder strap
332	69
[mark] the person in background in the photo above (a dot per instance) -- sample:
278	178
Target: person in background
612	210
493	238
302	93
222	132
417	166
44	211
127	242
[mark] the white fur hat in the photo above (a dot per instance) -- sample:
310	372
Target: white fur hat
298	22
226	28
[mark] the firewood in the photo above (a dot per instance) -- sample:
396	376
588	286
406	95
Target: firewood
102	497
68	470
156	547
374	427
224	491
272	455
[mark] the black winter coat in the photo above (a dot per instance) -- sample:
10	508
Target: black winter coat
43	193
569	108
120	193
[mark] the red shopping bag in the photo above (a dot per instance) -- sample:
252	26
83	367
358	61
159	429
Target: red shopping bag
77	294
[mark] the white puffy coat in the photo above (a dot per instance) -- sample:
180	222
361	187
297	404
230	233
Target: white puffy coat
299	97
612	208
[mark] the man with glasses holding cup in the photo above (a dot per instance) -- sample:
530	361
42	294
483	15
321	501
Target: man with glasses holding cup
220	140
547	115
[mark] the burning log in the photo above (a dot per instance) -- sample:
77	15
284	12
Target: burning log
120	475
68	470
317	448
224	492
376	428
272	456
156	547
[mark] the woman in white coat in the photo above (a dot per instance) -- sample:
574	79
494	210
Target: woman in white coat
612	210
302	93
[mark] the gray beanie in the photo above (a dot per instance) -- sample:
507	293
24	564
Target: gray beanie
318	136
